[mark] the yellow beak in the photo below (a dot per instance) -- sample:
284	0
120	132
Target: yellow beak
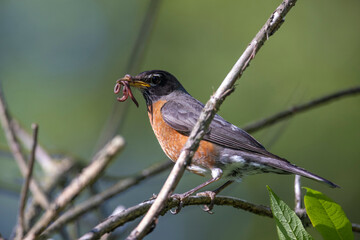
134	82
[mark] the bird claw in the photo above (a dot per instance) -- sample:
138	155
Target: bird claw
181	198
176	211
153	197
207	208
211	195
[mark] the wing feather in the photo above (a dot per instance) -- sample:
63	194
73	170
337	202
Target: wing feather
182	116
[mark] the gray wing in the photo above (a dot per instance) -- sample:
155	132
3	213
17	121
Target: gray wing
182	116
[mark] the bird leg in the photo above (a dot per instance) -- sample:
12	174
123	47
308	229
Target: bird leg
212	195
183	196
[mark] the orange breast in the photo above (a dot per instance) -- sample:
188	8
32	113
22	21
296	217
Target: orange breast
172	142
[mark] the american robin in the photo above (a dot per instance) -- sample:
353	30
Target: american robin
226	151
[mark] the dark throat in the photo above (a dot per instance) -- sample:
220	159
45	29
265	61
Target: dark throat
149	104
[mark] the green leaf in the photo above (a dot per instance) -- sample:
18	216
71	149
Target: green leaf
327	216
280	233
288	224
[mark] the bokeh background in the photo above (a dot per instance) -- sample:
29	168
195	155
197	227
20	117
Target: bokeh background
59	61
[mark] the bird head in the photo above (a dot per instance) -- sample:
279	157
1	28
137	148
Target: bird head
154	84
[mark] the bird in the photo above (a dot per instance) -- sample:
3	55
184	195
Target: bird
225	152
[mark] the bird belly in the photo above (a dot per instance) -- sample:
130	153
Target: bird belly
236	167
172	142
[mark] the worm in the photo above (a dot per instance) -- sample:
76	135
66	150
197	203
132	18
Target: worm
126	92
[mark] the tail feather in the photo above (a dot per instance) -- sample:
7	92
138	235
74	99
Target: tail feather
291	168
278	163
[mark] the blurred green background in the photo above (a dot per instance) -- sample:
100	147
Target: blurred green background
59	61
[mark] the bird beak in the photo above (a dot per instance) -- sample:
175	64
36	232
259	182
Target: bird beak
133	81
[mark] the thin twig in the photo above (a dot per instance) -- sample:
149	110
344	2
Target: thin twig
199	130
93	202
356	227
63	167
88	176
101	211
139	48
53	170
115	120
297	191
109	235
14	145
23	196
42	157
132	213
300	108
300	211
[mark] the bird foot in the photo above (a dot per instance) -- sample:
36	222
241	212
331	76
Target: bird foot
211	195
181	198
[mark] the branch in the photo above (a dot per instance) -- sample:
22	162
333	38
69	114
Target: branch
88	176
25	188
299	210
300	108
14	145
297	191
130	214
114	122
63	168
139	48
356	227
53	170
199	130
95	201
42	157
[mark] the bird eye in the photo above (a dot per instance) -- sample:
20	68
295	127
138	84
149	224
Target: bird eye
155	79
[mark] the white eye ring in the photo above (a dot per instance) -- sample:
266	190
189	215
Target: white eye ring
154	79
